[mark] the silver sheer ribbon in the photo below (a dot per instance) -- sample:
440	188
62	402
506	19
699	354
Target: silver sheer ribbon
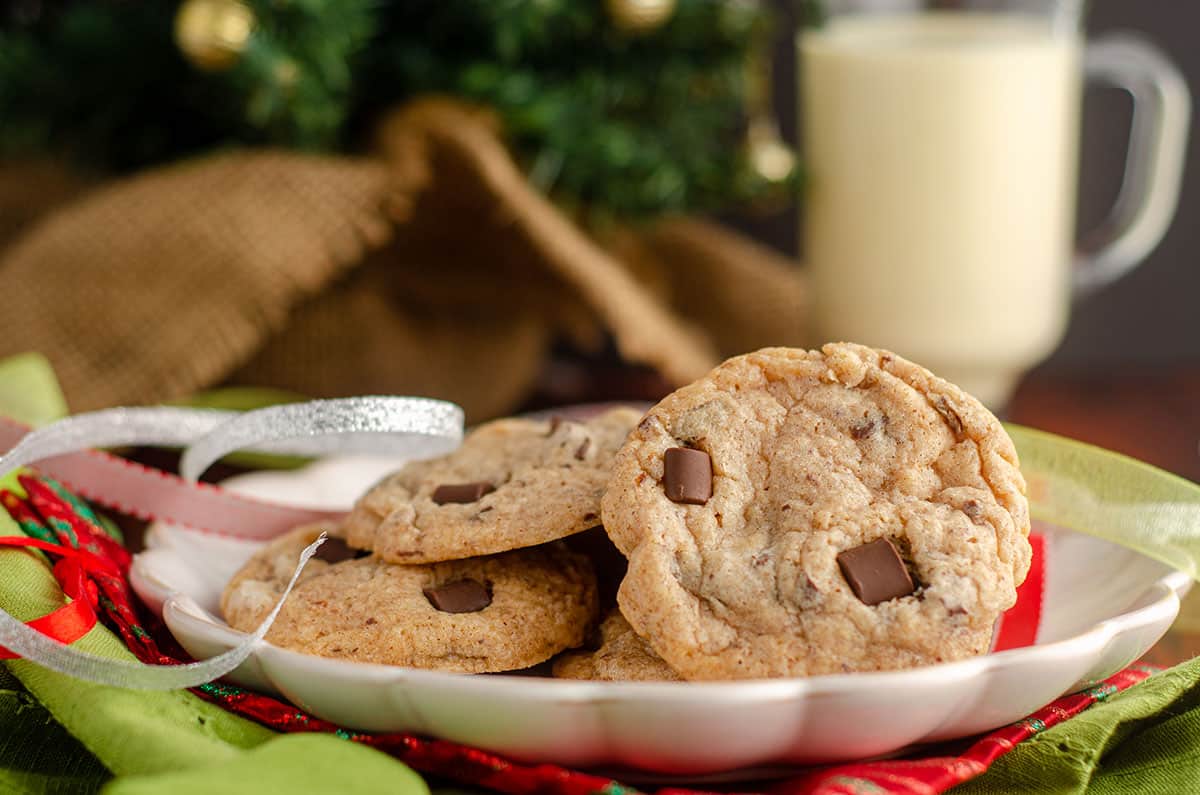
411	427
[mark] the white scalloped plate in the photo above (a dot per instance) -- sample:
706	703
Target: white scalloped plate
1103	607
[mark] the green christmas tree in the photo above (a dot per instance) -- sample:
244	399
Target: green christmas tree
623	116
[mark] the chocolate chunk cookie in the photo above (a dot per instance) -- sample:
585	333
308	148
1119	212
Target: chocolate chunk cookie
622	656
498	613
513	483
796	513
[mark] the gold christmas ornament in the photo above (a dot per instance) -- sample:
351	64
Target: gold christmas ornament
768	154
770	157
639	16
212	34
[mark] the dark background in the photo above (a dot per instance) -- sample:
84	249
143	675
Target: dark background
1150	317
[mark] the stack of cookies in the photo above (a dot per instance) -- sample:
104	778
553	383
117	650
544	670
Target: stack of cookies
791	513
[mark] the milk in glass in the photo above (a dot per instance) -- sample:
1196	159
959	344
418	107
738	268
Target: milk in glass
939	216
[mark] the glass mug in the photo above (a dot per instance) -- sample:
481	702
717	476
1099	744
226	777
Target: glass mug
941	146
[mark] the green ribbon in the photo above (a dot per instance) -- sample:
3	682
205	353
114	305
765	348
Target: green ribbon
29	391
1111	496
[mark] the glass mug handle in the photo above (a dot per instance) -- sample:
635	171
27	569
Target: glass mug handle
1154	164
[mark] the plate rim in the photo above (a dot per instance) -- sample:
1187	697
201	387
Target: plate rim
1165	595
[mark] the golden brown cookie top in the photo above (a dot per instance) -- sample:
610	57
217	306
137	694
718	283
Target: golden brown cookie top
513	483
747	503
497	613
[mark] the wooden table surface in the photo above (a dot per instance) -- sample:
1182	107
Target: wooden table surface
1152	415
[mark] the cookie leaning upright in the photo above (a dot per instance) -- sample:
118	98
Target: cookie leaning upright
861	514
513	483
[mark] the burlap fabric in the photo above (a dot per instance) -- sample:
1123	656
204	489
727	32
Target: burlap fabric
431	268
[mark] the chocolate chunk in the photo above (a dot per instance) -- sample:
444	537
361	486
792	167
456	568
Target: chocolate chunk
687	475
459	596
875	572
555	423
864	429
943	407
581	451
461	492
335	550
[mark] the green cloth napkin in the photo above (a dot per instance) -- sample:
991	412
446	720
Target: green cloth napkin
128	731
37	755
287	765
154	741
29	391
1144	739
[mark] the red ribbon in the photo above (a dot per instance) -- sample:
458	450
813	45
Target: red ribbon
1019	626
72	621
